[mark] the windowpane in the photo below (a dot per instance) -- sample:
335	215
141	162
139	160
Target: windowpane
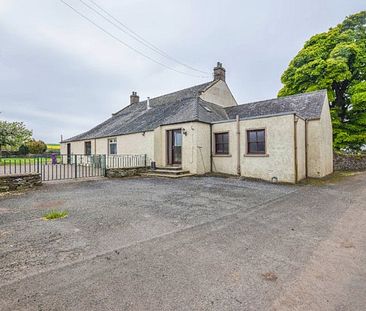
252	136
112	146
177	139
87	148
252	147
256	141
222	143
261	147
260	136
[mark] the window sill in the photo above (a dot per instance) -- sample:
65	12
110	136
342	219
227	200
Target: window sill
260	155
222	155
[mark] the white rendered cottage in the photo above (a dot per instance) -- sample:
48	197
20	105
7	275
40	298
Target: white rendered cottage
202	129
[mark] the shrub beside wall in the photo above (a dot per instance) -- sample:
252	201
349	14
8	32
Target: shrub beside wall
19	182
349	162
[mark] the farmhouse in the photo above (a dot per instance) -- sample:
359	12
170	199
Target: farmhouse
203	129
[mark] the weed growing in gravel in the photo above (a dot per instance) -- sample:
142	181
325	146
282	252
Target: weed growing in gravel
55	215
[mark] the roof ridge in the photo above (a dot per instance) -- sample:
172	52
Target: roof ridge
171	93
160	96
282	97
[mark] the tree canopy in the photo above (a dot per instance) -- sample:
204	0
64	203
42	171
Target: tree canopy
13	134
336	60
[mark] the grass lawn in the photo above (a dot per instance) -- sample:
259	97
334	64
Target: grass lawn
26	160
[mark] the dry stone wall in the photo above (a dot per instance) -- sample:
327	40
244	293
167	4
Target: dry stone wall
19	182
349	162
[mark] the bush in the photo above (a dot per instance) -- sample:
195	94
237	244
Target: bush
23	150
36	146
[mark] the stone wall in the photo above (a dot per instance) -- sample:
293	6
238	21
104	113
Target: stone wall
19	182
349	162
124	172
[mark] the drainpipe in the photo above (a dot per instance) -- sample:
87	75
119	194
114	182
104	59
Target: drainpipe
238	170
210	147
295	147
306	148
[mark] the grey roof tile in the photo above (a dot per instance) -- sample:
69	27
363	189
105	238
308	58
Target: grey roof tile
186	105
306	105
209	112
171	108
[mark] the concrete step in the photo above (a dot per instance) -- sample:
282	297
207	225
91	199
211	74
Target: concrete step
170	168
167	175
172	172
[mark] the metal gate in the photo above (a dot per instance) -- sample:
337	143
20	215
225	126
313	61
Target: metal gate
55	167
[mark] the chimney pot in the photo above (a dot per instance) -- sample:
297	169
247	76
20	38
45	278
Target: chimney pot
219	72
134	98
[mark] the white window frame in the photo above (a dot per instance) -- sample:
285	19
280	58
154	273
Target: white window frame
112	141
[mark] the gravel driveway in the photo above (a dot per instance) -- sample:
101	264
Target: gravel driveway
200	243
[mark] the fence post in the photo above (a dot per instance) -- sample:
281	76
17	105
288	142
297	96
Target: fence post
145	161
104	164
76	165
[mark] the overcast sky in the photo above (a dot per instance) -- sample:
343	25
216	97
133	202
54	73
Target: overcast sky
61	75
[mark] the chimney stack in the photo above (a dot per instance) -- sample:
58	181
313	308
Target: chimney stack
134	98
219	72
148	103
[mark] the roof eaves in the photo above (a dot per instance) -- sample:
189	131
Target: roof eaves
259	117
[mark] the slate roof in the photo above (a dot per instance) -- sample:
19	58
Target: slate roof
186	105
177	107
306	105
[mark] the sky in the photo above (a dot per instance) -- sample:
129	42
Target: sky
61	75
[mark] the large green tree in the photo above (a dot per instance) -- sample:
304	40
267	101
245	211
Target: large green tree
13	135
336	60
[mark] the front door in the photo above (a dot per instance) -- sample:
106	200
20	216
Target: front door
174	146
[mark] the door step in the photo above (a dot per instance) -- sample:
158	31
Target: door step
169	168
166	175
170	172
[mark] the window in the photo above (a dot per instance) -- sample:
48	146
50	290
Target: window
256	142
112	146
87	148
222	143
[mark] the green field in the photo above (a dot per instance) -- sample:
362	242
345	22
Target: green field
53	147
26	160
